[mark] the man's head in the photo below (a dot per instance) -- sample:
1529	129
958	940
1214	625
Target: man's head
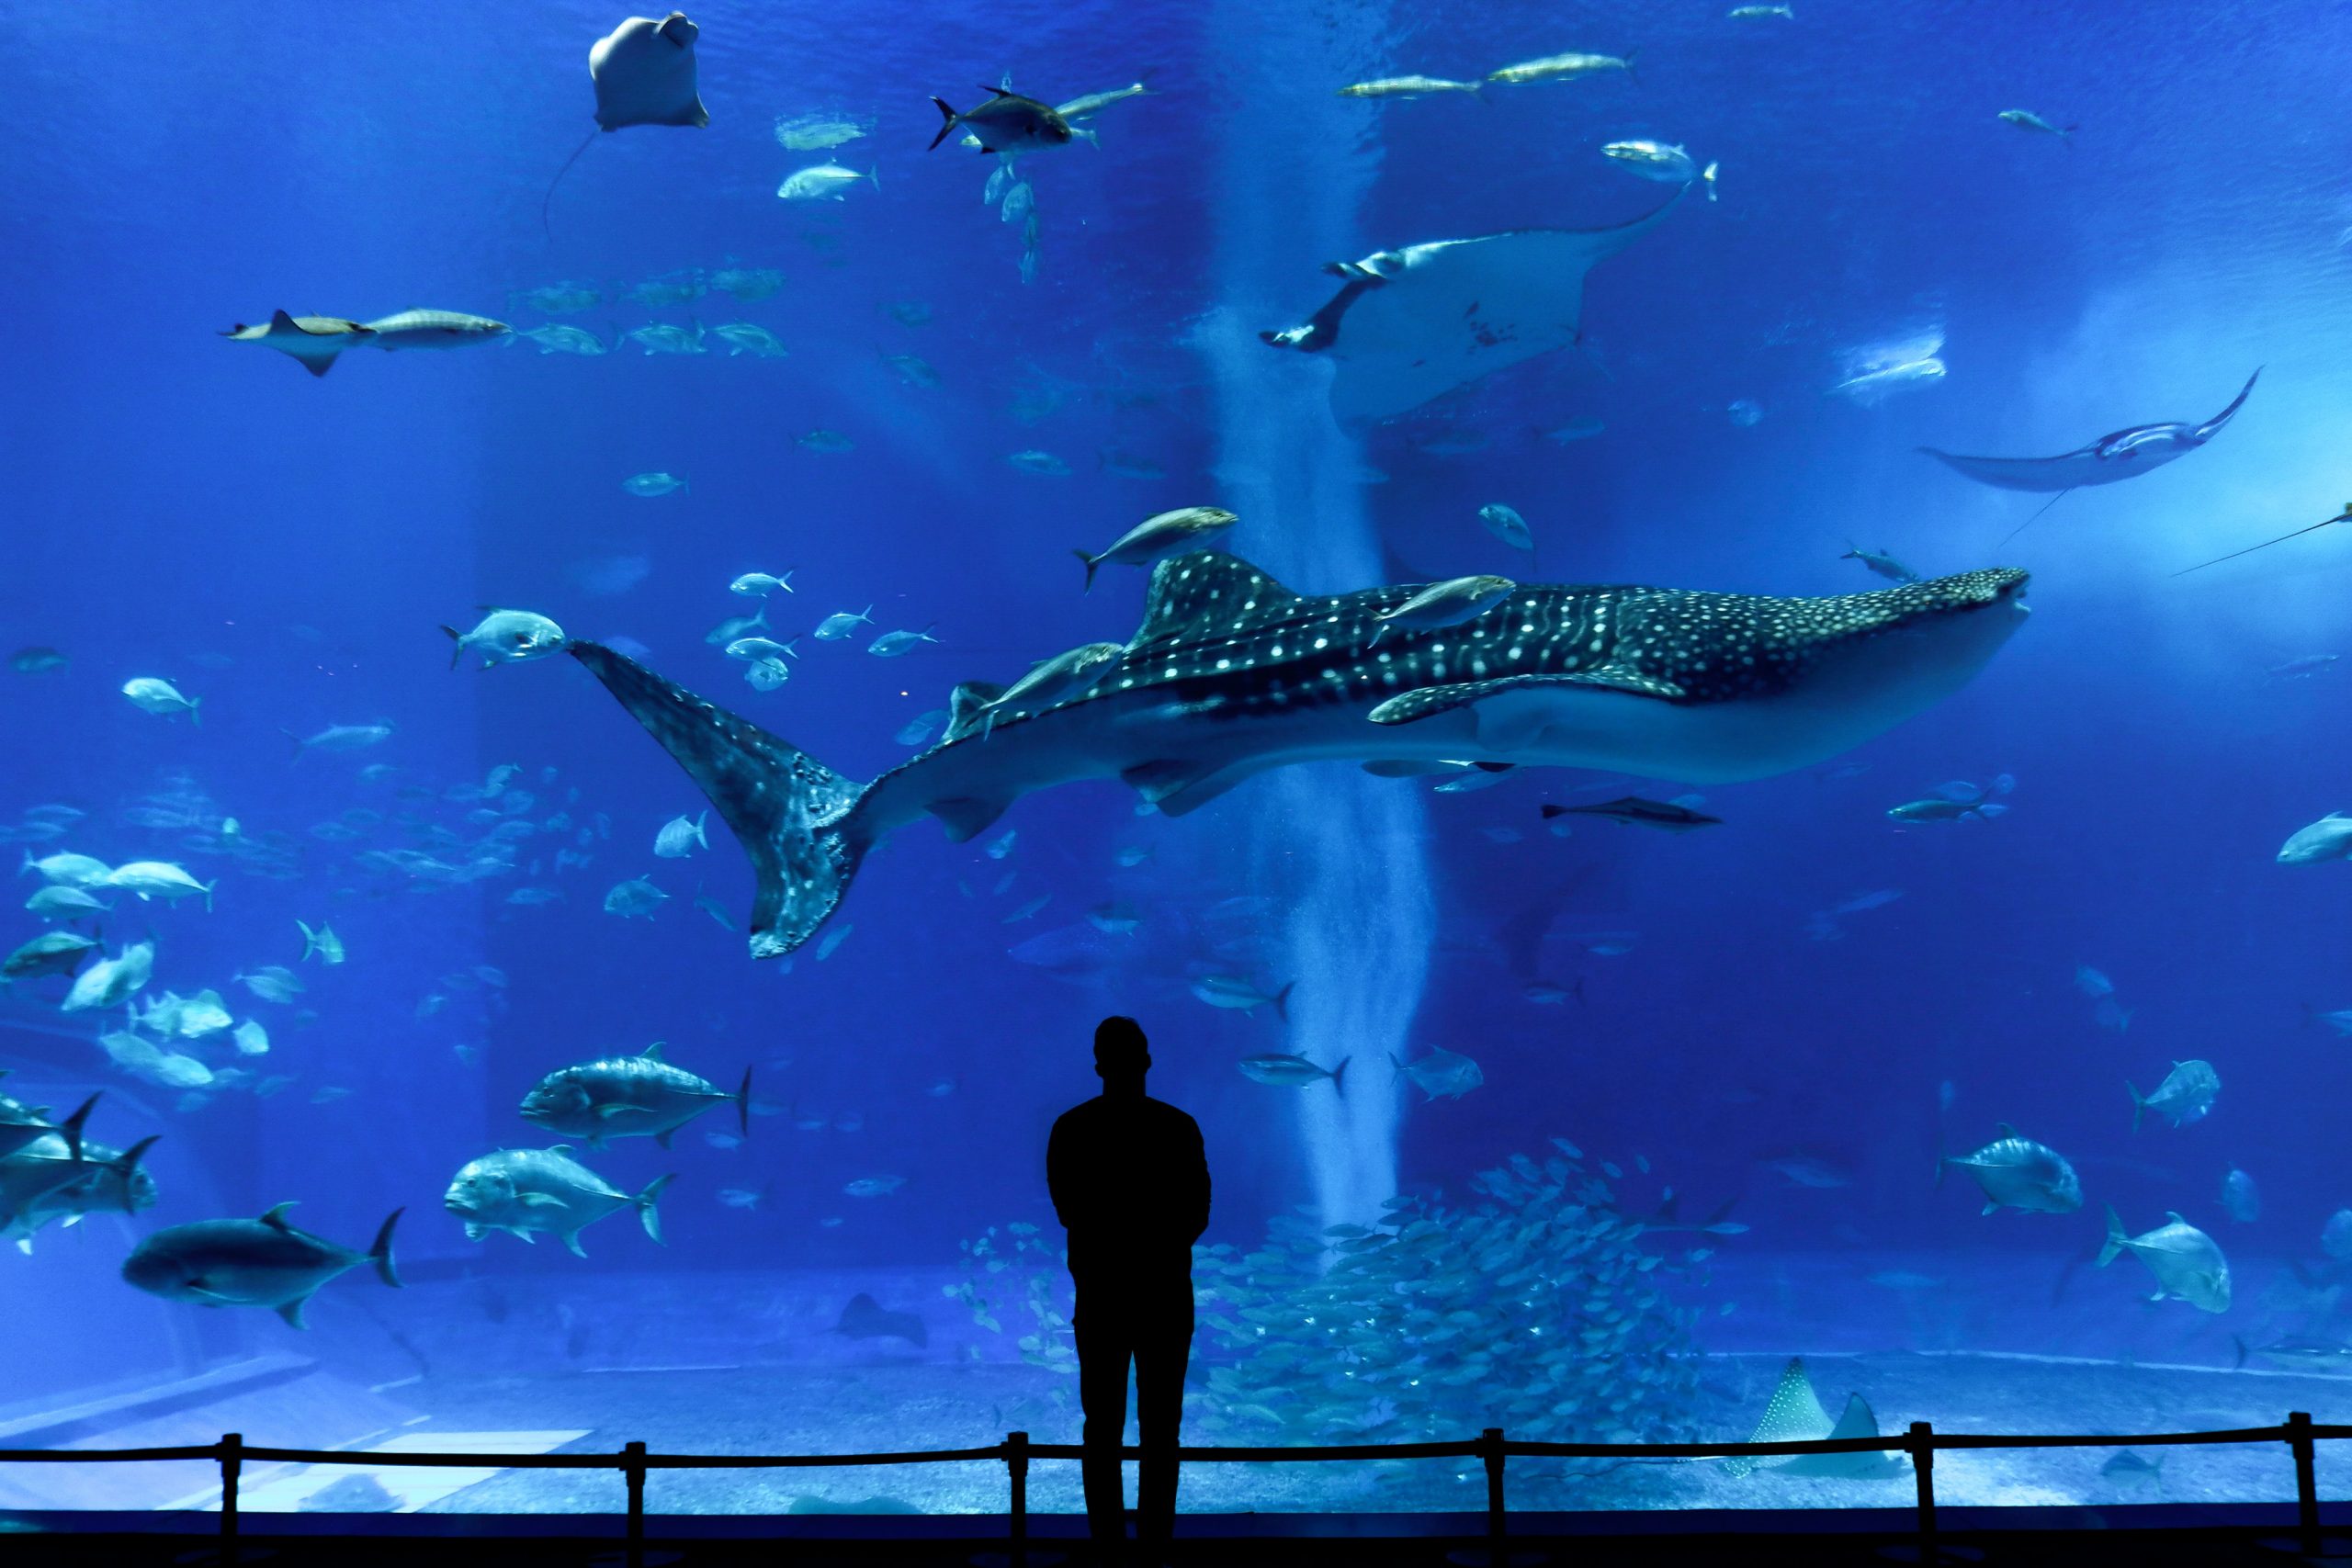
1121	1053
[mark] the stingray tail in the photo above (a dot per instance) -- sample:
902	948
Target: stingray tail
790	812
2037	511
545	226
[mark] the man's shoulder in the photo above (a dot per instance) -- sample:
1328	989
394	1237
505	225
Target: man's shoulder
1173	1115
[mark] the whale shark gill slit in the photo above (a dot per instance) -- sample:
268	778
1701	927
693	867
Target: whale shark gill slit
1231	674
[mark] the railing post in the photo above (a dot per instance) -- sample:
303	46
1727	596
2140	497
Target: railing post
1923	1470
633	1470
1017	1464
2298	1438
232	1465
1491	1450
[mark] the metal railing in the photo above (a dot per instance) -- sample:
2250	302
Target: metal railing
1491	1447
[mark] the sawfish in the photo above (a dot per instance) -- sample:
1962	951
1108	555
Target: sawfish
1232	673
1410	324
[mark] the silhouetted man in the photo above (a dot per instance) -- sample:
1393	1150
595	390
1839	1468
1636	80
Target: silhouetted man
1131	1185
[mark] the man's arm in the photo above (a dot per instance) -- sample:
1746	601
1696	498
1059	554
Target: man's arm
1196	1183
1061	1180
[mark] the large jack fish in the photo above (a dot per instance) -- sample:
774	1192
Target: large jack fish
1232	673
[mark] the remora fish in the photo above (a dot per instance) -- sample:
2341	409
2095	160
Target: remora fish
1232	673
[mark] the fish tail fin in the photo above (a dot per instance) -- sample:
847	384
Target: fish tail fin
1630	55
700	823
309	938
794	816
298	742
2115	1237
743	1105
1282	1003
2139	1103
947	123
875	175
208	893
1708	176
194	713
380	1254
1338	1074
647	1211
2240	1359
458	651
1091	564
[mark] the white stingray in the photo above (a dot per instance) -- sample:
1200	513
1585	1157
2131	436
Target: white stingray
643	72
1412	324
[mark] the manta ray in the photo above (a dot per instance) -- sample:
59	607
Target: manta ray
2121	455
1232	673
1410	324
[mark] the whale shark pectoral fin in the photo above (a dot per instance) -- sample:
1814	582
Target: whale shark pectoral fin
965	818
1430	701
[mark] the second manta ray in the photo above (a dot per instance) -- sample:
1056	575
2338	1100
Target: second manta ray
2120	456
1232	673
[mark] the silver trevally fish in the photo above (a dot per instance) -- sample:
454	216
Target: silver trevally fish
824	182
159	879
1440	1074
2017	1173
110	981
1233	673
506	637
660	337
529	1192
340	737
2186	1263
843	624
679	837
2187	1094
629	1097
66	869
1657	161
152	693
265	1262
1563	68
821	133
1292	1072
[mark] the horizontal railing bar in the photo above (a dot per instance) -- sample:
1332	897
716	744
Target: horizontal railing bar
1204	1454
210	1451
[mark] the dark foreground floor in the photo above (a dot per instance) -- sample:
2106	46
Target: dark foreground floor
2157	1536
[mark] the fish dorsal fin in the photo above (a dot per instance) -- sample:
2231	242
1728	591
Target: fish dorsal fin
2171	1216
1857	1421
2005	1129
1194	594
653	1052
557	1149
967	705
276	1219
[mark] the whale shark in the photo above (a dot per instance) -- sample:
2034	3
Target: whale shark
1410	324
1232	673
2120	455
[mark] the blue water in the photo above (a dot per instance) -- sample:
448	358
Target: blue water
284	548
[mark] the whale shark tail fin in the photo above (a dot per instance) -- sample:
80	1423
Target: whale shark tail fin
787	809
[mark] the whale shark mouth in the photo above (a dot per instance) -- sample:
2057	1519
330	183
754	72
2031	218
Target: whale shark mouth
1232	673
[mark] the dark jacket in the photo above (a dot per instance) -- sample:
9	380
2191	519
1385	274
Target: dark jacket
1131	1185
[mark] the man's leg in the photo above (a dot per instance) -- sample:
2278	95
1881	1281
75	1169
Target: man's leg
1163	1347
1105	1344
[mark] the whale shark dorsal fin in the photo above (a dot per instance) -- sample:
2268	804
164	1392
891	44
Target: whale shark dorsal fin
276	1219
2005	1129
1192	594
653	1052
1432	700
